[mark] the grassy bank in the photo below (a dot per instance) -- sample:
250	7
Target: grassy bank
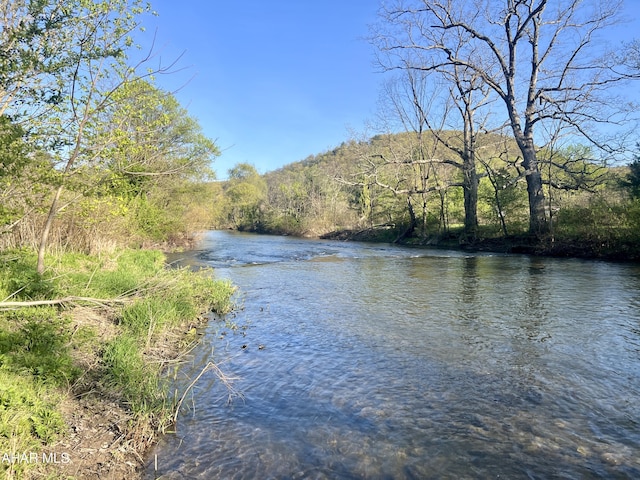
589	242
81	386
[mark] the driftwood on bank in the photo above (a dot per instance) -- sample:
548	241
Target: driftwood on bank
63	301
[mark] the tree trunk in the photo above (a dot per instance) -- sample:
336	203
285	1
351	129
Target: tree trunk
538	223
412	222
470	197
496	196
44	237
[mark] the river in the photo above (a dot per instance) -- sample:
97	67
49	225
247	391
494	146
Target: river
373	361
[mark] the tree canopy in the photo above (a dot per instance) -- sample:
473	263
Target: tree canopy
86	137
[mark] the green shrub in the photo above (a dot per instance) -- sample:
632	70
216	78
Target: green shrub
18	277
152	221
34	341
28	412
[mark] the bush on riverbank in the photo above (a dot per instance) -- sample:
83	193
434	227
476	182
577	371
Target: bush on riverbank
124	315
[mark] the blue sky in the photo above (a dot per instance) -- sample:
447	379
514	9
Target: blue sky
271	81
274	81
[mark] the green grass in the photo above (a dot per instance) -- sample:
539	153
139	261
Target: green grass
34	343
29	418
185	296
40	347
18	277
128	372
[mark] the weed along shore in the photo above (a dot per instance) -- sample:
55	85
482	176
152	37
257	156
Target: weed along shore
83	349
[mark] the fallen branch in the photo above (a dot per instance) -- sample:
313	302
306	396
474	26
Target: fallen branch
226	381
63	301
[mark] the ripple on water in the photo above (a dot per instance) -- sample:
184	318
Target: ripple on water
379	363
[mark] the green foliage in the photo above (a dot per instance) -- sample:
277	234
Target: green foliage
104	277
632	180
13	150
19	279
145	315
282	223
142	263
29	34
355	187
205	293
502	199
600	222
34	363
132	163
151	221
182	297
42	352
34	342
246	191
189	294
155	158
124	152
14	160
28	413
150	141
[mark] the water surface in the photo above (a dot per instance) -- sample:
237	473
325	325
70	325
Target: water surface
373	361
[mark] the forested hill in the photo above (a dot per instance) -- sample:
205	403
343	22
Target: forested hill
421	188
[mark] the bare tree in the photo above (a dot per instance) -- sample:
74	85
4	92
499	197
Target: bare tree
454	120
409	100
463	97
468	96
543	61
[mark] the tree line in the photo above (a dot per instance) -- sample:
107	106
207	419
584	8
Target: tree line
497	115
93	154
364	189
498	118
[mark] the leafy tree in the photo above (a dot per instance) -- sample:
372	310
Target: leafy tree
145	137
13	150
13	159
634	178
104	140
34	48
82	46
153	156
246	191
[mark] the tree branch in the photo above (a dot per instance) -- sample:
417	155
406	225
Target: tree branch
63	301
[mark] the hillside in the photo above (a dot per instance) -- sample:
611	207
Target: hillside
415	188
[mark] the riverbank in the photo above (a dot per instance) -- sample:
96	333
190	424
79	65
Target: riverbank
585	248
83	351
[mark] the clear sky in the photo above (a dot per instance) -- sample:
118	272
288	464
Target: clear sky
271	81
274	81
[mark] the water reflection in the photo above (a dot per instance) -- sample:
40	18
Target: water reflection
383	362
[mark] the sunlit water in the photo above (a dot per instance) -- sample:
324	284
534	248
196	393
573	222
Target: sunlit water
375	361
